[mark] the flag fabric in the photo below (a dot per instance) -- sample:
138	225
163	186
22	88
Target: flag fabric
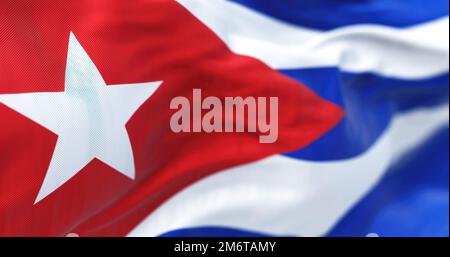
87	149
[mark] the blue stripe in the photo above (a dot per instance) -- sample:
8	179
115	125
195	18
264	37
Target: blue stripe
330	14
211	232
369	100
411	200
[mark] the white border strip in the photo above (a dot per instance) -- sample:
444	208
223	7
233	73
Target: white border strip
416	52
284	196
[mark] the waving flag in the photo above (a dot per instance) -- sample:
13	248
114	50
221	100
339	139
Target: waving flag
87	148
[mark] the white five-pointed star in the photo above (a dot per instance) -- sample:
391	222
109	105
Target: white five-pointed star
89	118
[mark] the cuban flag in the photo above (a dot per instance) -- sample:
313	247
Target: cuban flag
86	147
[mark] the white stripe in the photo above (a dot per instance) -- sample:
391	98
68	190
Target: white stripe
416	52
284	196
